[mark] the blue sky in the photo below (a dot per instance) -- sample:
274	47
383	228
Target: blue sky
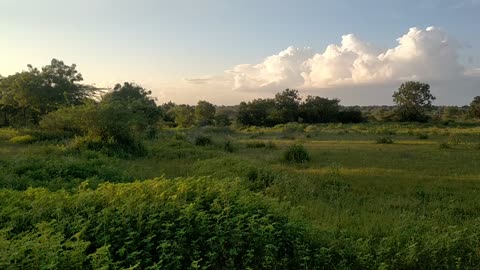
160	43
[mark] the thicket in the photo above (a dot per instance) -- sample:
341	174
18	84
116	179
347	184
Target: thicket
157	224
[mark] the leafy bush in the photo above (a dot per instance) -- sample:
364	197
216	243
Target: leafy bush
454	139
109	146
202	140
270	145
55	172
422	136
108	126
444	145
156	224
23	139
384	140
256	144
296	154
228	146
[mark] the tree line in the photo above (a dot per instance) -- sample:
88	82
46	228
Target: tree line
55	94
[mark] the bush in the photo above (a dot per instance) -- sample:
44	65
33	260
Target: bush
109	146
444	145
256	144
23	139
110	126
270	145
202	140
384	140
155	224
228	146
422	136
296	154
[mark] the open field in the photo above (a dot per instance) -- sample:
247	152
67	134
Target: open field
407	204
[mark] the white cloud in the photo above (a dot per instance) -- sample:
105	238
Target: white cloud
421	54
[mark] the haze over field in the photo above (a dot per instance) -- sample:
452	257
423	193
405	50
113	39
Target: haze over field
226	52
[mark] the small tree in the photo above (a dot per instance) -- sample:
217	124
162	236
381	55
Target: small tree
287	105
204	113
413	100
184	115
475	107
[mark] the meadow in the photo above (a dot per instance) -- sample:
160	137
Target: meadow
370	196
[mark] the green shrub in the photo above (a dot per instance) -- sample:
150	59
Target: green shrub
180	136
454	139
422	136
256	144
56	172
155	224
228	146
8	133
444	145
110	146
23	139
384	140
202	140
296	154
107	126
270	145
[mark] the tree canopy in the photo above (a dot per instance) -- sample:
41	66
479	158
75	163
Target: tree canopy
413	100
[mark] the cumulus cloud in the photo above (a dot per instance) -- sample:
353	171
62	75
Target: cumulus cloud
421	54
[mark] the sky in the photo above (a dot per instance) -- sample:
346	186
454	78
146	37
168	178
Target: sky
231	51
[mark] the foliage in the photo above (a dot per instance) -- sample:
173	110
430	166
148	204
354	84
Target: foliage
258	112
475	107
23	139
413	100
296	153
160	223
350	116
287	104
228	146
384	140
34	92
184	115
319	110
202	140
204	113
105	126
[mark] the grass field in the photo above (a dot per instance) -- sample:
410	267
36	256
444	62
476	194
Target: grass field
413	202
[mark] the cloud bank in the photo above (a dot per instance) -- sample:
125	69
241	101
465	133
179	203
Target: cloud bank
421	54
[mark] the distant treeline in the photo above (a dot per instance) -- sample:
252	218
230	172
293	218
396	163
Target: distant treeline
29	96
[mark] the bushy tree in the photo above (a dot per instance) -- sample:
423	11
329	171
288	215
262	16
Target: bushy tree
103	126
475	107
204	113
413	100
258	112
287	105
137	99
319	110
35	92
184	115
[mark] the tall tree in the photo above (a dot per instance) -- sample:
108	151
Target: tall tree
136	99
257	112
287	106
413	100
319	110
41	91
475	107
204	113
